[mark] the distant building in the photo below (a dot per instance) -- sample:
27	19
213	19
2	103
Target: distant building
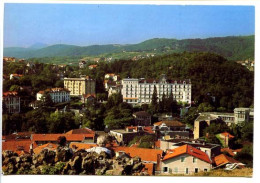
88	98
9	59
112	77
243	115
142	118
82	64
114	89
239	116
124	136
140	91
15	76
58	95
11	102
80	86
92	66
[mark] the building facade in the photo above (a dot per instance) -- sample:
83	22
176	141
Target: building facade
58	95
80	86
140	91
11	102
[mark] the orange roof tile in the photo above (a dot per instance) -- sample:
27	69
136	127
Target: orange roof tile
231	152
129	98
54	137
49	146
187	149
148	168
169	123
10	93
18	146
78	146
81	131
157	144
144	154
226	134
223	159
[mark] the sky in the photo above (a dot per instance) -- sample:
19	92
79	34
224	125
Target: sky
84	24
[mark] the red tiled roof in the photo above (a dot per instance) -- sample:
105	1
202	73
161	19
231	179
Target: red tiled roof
143	153
187	149
223	159
226	134
82	145
49	146
54	137
92	66
89	95
170	123
81	131
10	93
17	75
148	168
19	136
231	152
157	144
18	146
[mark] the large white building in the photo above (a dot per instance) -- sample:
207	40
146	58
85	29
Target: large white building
58	95
140	91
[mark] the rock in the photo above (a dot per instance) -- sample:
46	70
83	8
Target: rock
138	167
75	164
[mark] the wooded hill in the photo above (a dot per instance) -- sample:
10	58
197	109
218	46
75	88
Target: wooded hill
232	48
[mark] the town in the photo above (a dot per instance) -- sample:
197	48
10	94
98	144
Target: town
54	115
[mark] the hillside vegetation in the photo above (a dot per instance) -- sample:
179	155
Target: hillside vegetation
233	48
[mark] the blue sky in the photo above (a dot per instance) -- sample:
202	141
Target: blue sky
82	24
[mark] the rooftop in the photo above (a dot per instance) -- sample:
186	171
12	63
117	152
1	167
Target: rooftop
142	113
223	159
187	149
170	123
148	155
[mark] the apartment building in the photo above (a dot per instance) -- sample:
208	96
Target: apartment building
11	102
140	91
80	86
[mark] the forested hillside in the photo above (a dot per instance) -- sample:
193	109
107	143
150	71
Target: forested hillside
232	48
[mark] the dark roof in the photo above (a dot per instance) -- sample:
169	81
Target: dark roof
142	113
168	81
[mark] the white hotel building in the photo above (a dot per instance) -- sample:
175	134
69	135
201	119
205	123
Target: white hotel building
140	91
58	95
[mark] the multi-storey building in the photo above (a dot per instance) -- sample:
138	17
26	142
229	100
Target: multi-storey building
11	102
80	86
57	94
140	91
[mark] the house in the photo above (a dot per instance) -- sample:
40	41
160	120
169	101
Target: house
58	95
15	76
225	136
243	115
150	157
230	152
114	89
124	136
185	160
82	64
35	104
206	118
142	118
41	139
9	59
79	146
171	129
11	102
211	150
223	160
86	98
92	66
18	136
112	77
49	146
19	147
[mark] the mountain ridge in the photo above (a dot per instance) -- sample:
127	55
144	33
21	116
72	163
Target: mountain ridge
231	47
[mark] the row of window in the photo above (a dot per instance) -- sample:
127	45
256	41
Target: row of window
186	170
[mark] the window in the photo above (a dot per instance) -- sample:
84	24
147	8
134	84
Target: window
165	169
182	159
205	169
187	171
194	160
176	170
196	170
